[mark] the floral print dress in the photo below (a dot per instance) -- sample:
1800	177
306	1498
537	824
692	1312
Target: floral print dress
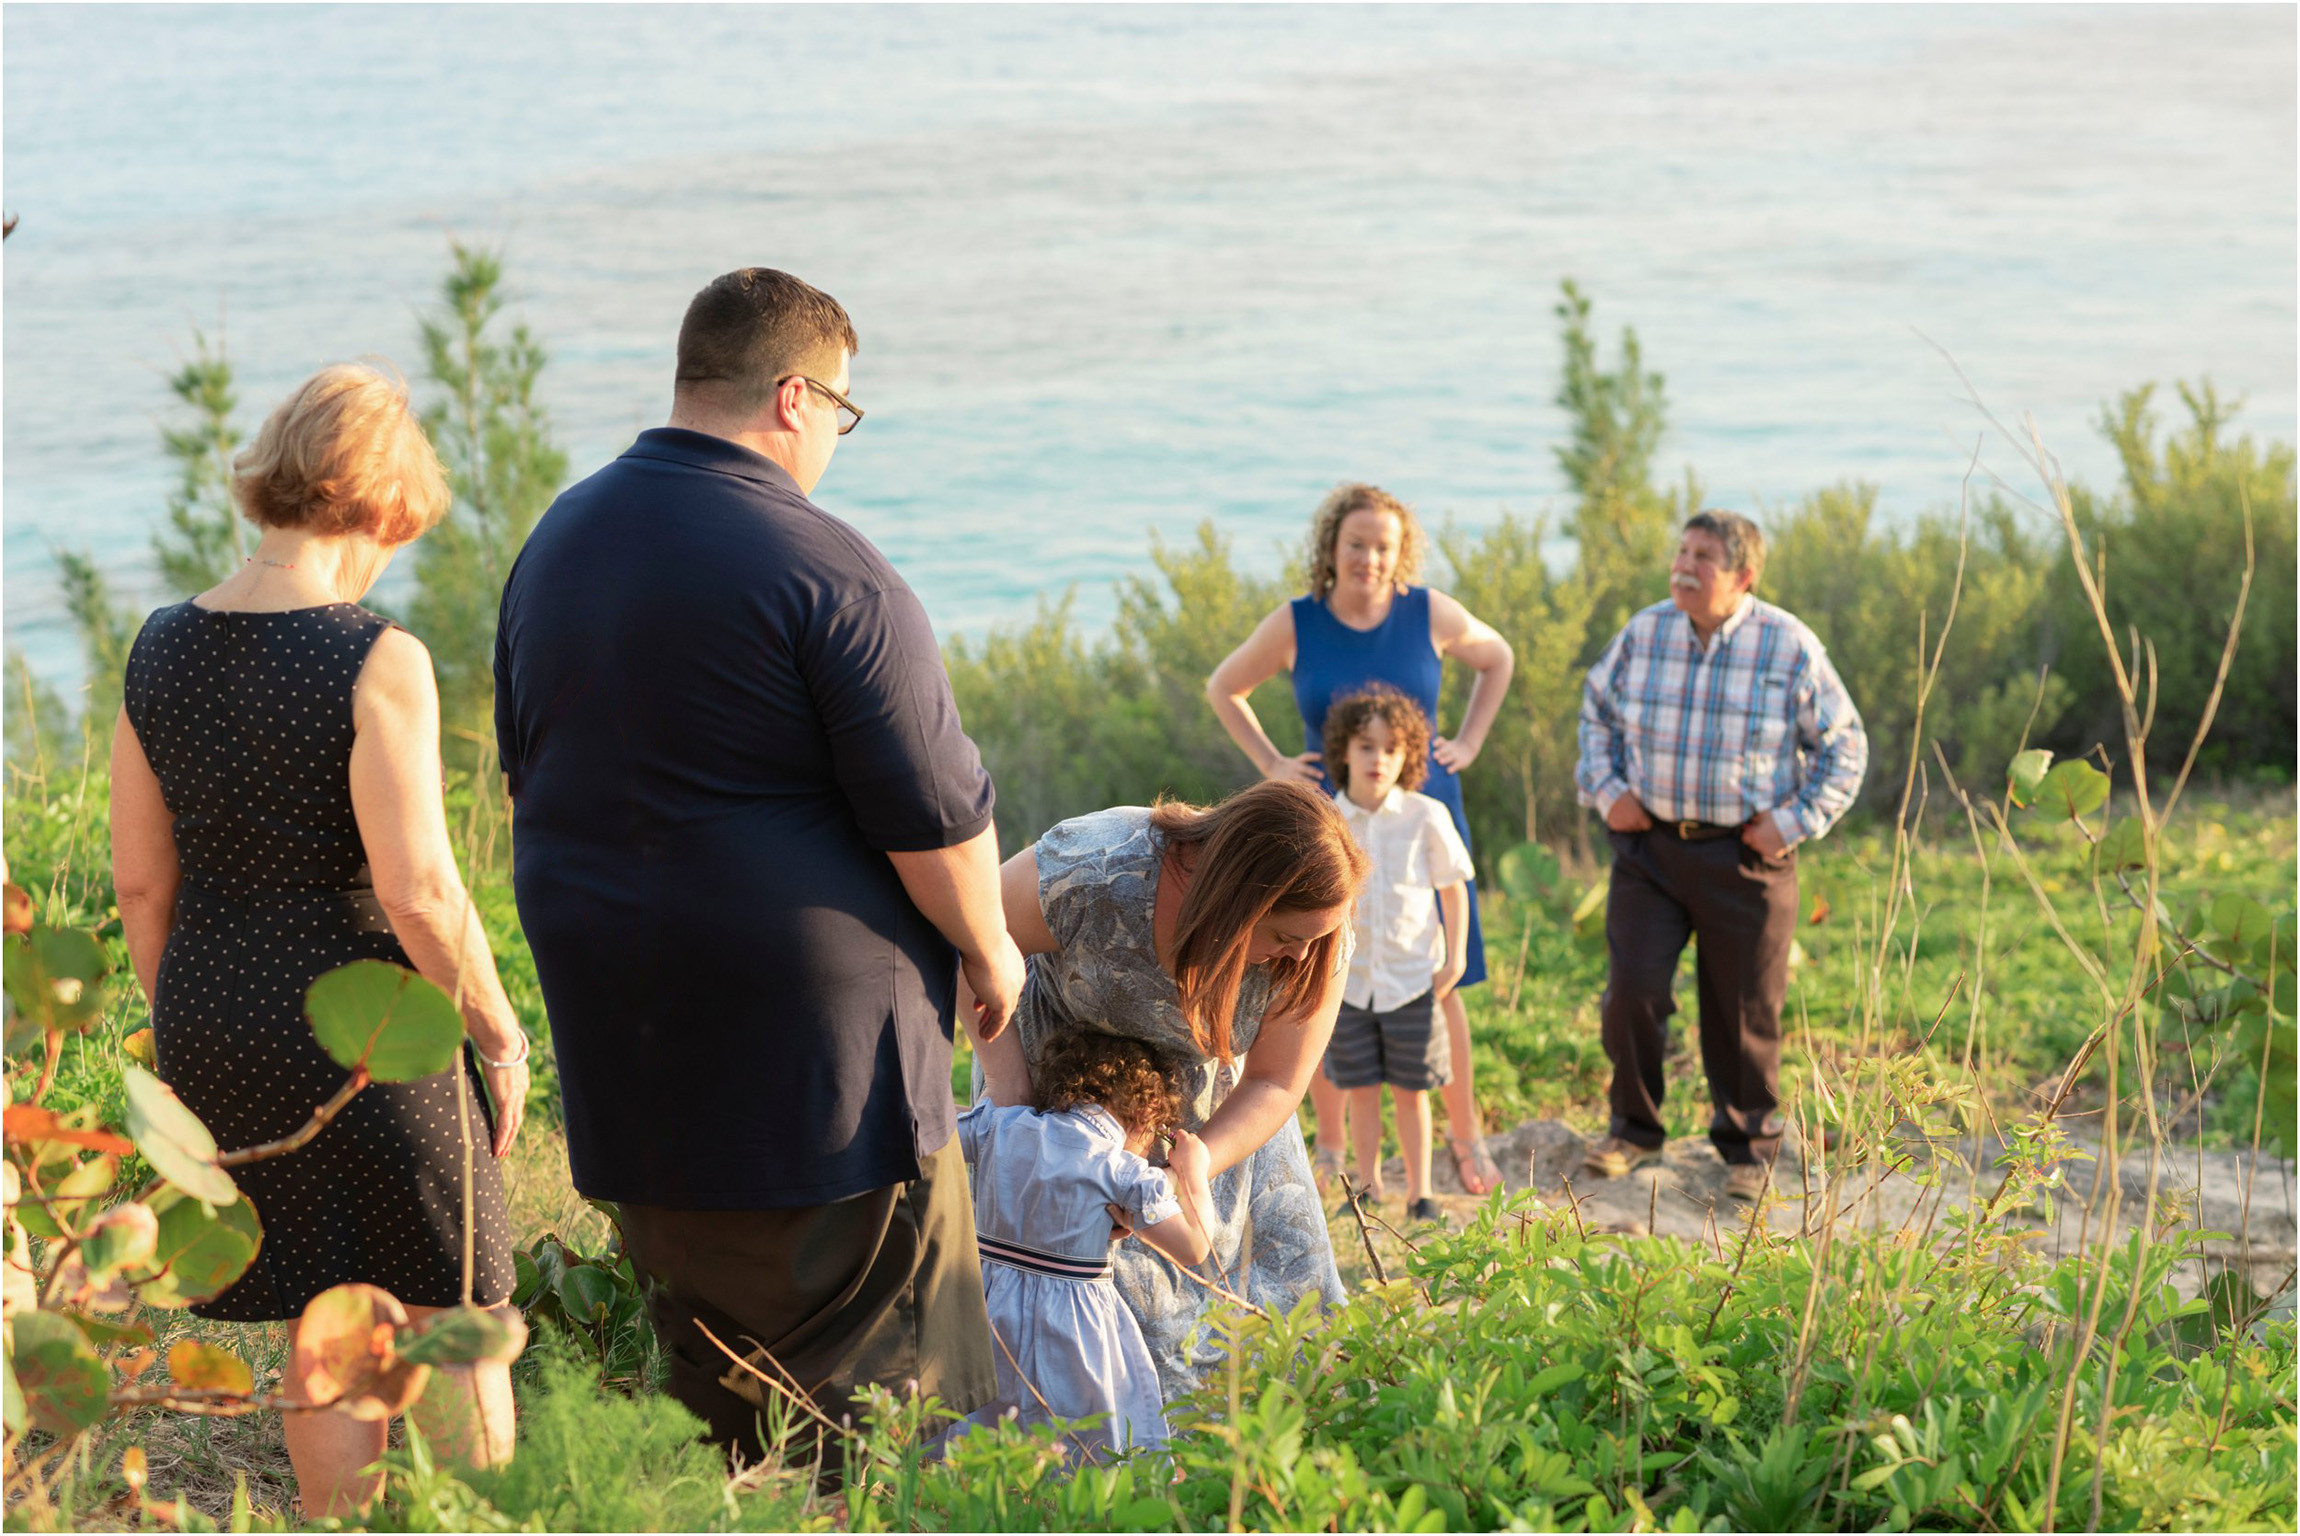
1098	886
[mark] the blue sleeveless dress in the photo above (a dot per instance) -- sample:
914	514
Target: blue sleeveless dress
1331	660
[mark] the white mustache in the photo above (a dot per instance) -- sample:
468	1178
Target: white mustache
1684	581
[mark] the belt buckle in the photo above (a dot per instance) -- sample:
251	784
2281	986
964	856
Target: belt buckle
1686	830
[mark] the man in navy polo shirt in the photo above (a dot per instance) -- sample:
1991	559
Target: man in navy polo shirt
753	849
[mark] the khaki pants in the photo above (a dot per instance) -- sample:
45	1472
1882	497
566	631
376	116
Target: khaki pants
884	1287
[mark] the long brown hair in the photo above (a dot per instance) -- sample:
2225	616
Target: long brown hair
1277	846
1326	532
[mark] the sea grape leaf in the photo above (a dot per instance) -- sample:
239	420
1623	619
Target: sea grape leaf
385	1018
123	1237
64	1386
172	1139
2073	789
464	1335
138	1048
55	976
102	1331
345	1354
1528	872
200	1250
588	1294
526	1279
2124	847
69	1195
204	1367
2241	920
50	1138
2026	773
1589	912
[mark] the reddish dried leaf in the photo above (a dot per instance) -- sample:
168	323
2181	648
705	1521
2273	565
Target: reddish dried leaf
35	1122
18	907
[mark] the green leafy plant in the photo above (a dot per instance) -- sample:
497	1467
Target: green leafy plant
82	1249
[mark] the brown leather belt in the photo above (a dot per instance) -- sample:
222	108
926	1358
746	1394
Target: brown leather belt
1695	831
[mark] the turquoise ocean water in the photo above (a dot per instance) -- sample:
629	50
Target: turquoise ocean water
1118	269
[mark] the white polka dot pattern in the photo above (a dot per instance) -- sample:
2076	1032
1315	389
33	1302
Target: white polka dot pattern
246	719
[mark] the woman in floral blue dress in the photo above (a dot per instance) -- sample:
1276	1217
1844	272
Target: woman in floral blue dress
1221	935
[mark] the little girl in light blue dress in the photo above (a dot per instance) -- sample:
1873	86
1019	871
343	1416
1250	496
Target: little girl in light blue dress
1047	1179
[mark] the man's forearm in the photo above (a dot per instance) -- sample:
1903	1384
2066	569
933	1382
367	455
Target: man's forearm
957	890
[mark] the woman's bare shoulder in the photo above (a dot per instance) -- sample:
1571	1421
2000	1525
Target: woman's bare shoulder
397	674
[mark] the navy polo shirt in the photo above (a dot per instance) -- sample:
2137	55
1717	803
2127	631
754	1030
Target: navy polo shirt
719	709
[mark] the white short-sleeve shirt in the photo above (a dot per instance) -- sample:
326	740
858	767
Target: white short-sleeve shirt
1410	841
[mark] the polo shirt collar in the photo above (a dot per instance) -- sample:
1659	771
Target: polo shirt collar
701	450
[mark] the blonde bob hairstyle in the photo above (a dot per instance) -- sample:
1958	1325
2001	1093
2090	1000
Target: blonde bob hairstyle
1271	847
343	454
1326	533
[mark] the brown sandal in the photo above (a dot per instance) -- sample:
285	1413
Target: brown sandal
1473	1165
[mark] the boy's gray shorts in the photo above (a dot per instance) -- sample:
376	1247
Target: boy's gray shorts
1405	1047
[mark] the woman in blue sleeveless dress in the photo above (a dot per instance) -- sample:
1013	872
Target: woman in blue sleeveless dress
1364	621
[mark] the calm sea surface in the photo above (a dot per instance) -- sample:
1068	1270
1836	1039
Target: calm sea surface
1120	269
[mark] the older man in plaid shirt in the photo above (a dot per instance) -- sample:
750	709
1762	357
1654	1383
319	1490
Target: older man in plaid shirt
1715	737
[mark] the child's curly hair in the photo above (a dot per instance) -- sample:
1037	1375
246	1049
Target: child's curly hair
1139	1085
1409	728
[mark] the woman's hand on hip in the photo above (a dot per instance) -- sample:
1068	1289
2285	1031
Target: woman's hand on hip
1451	755
1302	767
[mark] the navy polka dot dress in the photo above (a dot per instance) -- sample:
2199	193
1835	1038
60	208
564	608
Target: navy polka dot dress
246	719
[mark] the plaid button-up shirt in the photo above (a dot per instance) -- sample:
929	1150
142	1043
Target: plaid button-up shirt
1757	721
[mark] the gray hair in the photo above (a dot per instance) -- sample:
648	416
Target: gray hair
1744	541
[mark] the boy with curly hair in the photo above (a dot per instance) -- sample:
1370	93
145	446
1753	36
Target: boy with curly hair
1411	949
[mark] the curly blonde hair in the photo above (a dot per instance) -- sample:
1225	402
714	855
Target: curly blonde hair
1326	532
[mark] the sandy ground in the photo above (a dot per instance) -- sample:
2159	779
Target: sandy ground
2250	1203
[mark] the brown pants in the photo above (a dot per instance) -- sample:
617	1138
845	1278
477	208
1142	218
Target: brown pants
883	1287
1744	912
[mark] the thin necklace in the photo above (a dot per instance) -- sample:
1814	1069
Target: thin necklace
277	565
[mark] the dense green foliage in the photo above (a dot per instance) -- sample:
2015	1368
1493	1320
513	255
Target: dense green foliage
1070	723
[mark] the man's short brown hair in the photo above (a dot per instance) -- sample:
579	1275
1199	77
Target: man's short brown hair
1409	731
748	329
1744	541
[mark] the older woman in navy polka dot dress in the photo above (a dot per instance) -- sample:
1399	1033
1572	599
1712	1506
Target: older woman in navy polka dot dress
276	813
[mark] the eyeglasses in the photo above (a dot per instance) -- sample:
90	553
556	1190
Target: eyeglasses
850	414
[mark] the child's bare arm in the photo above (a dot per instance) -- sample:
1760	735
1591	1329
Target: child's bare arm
1183	1238
1453	913
1180	1238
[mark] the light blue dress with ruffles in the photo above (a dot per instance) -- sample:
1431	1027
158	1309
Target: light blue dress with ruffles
1065	1345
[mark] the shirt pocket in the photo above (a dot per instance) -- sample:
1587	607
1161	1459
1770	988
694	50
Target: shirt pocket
1764	722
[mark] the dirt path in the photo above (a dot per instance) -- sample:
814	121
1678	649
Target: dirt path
1683	1196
